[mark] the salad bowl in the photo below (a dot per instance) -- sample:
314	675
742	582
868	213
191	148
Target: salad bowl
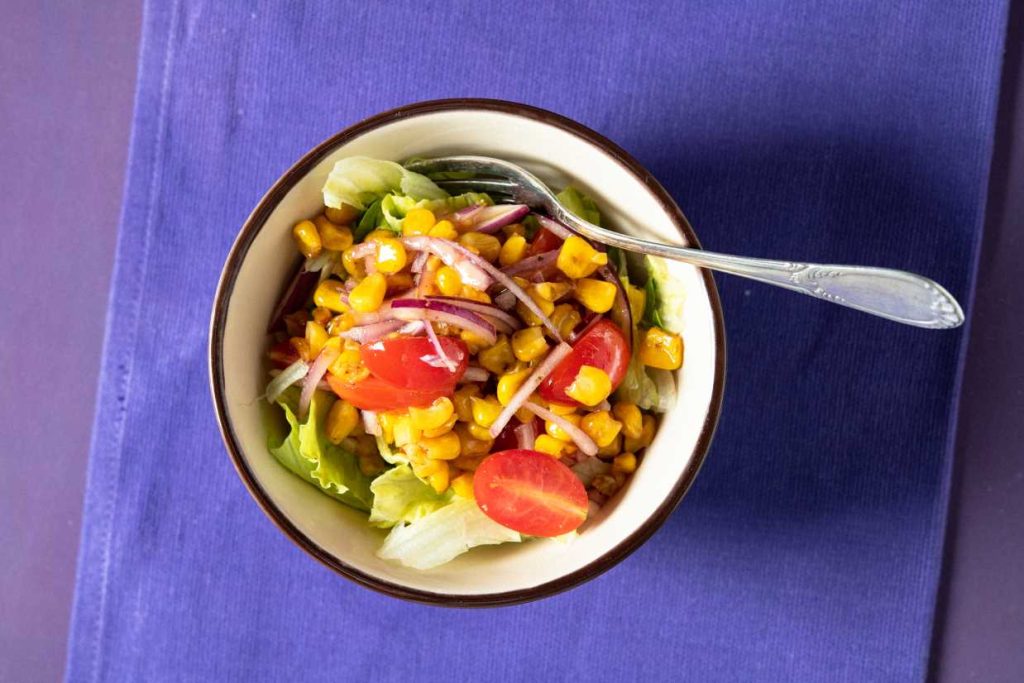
558	151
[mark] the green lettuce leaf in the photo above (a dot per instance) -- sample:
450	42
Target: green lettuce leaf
358	181
371	219
443	535
669	296
580	204
400	496
394	207
306	452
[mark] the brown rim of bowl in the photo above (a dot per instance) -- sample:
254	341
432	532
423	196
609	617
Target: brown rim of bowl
225	287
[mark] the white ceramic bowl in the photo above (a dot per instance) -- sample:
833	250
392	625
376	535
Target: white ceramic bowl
263	257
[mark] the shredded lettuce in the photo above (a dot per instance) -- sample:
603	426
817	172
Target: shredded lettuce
669	295
307	453
443	535
358	181
580	204
370	220
400	496
394	207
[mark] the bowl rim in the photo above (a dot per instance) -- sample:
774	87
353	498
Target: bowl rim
225	289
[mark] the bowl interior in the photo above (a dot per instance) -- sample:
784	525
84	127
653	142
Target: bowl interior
341	536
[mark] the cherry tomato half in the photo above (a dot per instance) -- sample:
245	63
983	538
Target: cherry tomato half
543	241
530	492
401	362
373	393
603	346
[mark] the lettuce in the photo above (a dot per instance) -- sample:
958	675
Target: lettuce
394	207
400	496
580	204
371	219
443	535
307	453
358	181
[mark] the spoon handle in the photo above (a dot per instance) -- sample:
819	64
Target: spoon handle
894	294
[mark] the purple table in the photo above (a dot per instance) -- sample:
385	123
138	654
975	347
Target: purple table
66	85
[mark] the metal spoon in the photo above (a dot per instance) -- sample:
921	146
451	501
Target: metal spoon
894	294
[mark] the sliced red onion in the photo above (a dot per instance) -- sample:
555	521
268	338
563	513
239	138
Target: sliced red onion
587	324
412	327
620	313
450	253
492	313
443	312
467	214
578	436
419	262
370	264
350	283
554	227
490	219
542	263
603	405
316	373
475	373
436	343
295	296
526	435
371	332
370	423
362	250
285	378
539	374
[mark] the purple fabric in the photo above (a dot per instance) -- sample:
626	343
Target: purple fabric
809	548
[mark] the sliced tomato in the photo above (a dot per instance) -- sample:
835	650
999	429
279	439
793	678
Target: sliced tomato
543	241
282	354
530	492
373	393
410	362
603	346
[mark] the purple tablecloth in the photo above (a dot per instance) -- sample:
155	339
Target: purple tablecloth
809	548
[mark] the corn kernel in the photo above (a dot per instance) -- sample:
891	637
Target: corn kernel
442	428
478	432
418	222
625	463
631	418
546	307
485	410
661	349
486	245
391	256
444	447
434	415
342	322
565	317
301	347
463	401
552	291
353	266
612	449
601	427
497	357
473	340
469	445
445	230
606	484
578	259
529	343
462	485
342	418
322	315
348	364
469	463
379	234
549	445
474	294
404	431
371	464
439	479
597	295
513	250
316	337
514	229
525	415
387	425
590	386
448	281
346	213
295	323
368	294
559	409
333	237
331	294
307	239
554	430
509	384
646	436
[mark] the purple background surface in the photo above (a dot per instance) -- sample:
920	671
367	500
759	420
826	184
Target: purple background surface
66	84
